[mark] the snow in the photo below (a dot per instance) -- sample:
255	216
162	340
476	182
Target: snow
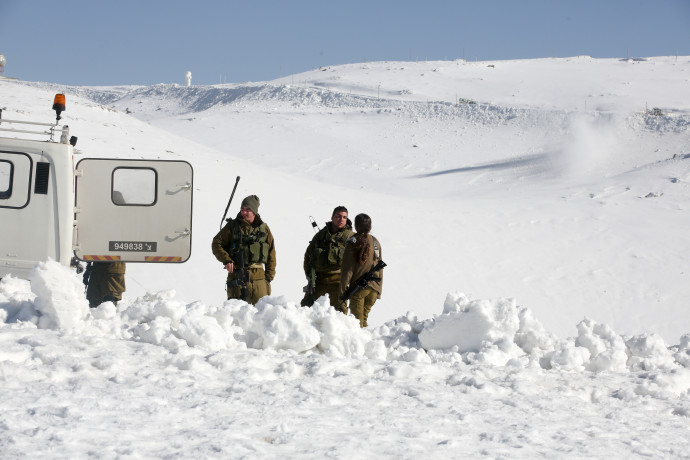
536	291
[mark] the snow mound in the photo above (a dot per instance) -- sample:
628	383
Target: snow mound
60	300
485	331
496	332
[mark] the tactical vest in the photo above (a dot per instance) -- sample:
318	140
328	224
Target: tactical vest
329	249
253	243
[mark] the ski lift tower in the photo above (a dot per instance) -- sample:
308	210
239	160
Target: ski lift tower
3	61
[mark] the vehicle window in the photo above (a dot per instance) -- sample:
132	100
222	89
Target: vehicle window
134	186
6	173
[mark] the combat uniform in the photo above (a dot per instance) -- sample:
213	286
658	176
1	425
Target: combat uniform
362	300
106	283
325	255
257	245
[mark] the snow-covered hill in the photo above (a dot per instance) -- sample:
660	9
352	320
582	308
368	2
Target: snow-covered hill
553	193
571	206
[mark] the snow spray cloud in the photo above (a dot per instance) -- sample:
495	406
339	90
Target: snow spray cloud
591	141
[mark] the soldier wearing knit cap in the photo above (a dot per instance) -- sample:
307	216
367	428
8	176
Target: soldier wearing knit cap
246	243
252	202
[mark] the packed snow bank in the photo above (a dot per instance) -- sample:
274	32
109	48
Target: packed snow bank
487	331
491	332
59	296
500	332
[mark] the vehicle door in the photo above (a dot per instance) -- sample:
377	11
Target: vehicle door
133	210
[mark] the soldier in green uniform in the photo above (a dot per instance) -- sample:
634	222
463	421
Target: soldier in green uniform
324	255
106	283
246	248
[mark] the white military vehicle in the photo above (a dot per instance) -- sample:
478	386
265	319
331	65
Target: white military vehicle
101	210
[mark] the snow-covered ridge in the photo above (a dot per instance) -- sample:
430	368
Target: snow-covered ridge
181	100
166	100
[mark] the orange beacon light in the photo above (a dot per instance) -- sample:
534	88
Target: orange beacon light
59	104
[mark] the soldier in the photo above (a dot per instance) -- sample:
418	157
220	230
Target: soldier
244	246
362	253
324	255
105	282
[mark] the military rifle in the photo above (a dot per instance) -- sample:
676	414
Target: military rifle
241	276
363	281
229	201
310	288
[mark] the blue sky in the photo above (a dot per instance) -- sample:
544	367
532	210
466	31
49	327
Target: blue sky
80	42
